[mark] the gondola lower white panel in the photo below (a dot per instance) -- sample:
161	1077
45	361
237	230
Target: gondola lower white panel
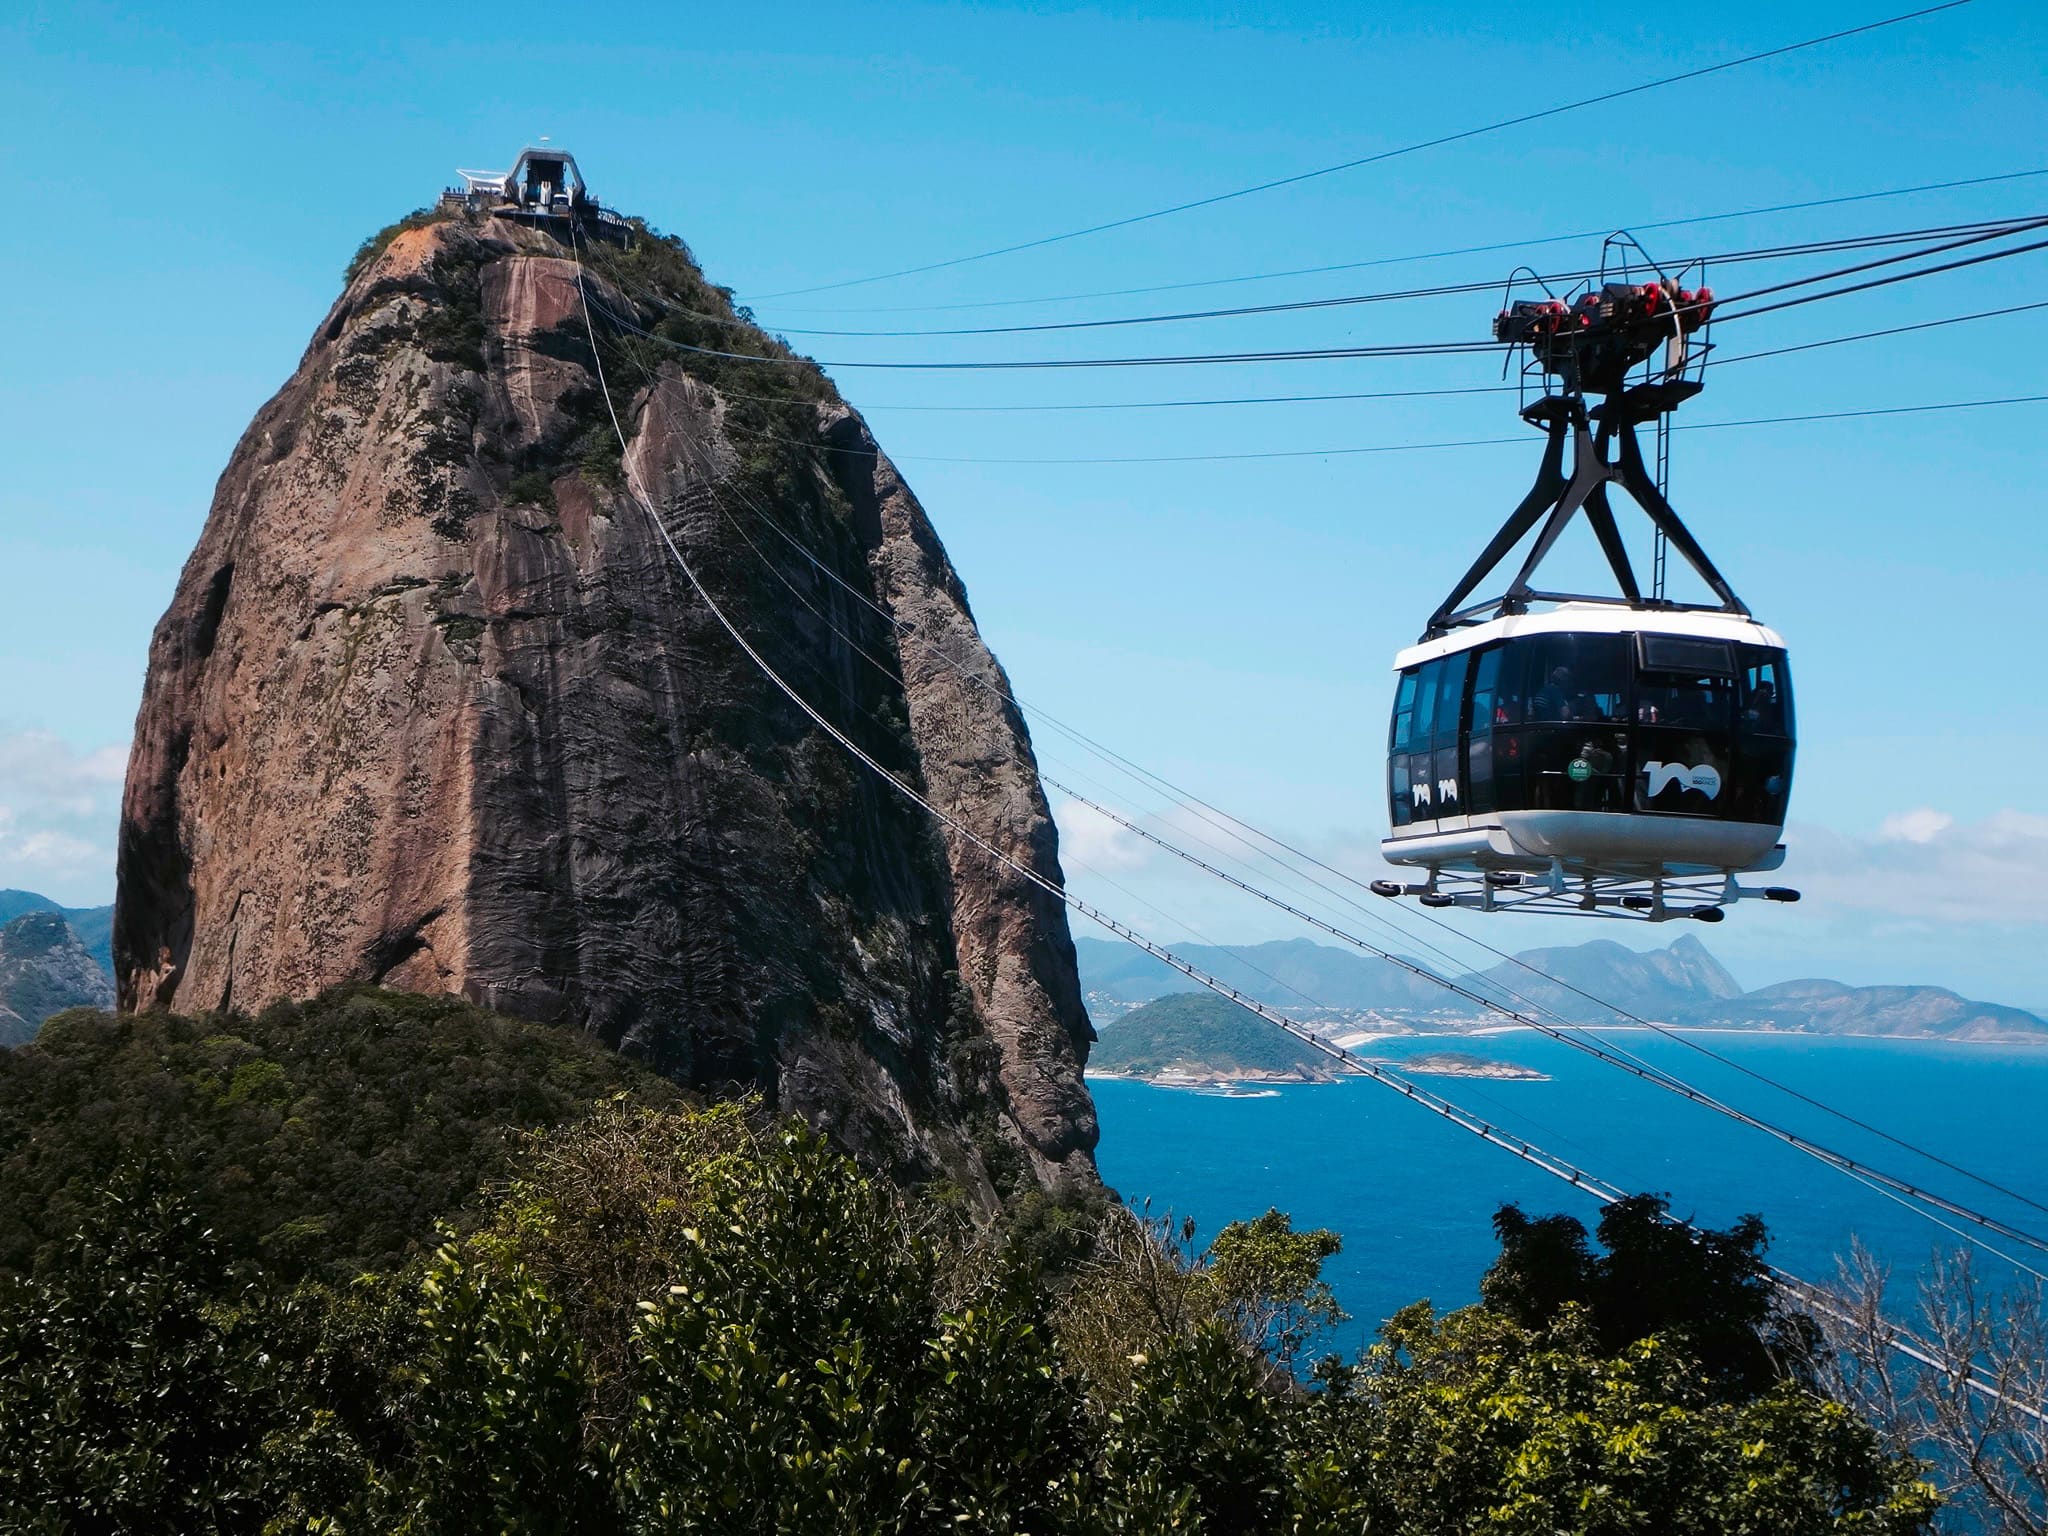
1615	845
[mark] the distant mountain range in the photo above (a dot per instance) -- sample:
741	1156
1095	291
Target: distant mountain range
51	958
1282	972
1682	984
44	969
93	925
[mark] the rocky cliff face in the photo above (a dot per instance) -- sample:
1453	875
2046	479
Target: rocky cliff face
433	707
44	969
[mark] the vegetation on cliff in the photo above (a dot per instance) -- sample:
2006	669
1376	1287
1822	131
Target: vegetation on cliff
654	1317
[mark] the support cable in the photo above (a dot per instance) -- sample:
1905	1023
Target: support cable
1235	827
1381	156
1298	354
1640	226
1355	451
1626	1061
1981	228
1882	282
1605	1193
1414	394
1388	349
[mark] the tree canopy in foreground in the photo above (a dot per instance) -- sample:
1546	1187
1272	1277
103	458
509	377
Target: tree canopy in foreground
658	1317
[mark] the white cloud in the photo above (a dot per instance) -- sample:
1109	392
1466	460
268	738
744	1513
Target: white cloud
1925	864
1090	839
55	850
1923	824
59	808
109	765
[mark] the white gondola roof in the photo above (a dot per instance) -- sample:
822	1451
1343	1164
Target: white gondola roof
1595	619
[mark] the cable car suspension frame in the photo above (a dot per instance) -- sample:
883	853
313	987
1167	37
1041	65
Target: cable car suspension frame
1644	348
1636	341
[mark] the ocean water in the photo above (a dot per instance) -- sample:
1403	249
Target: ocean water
1413	1195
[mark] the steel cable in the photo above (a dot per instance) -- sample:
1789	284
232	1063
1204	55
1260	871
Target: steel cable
1877	1179
1381	156
1639	226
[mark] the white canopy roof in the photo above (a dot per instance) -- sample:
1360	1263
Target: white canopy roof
1595	619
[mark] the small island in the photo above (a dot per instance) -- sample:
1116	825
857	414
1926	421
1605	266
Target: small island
1464	1064
1199	1040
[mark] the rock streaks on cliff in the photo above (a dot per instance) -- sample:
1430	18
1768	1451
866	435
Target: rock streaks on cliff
432	707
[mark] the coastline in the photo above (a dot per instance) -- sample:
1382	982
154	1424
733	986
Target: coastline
2028	1041
1423	1065
1220	1081
1266	1083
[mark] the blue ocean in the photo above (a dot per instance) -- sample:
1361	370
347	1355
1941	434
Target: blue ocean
1413	1195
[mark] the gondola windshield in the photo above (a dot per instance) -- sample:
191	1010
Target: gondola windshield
1578	722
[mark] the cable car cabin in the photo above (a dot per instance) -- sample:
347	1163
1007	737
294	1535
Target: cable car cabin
1559	751
1594	756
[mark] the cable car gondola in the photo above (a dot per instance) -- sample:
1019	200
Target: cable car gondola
1620	756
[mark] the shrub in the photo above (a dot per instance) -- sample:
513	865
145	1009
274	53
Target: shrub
532	488
1654	1277
1471	1422
140	1391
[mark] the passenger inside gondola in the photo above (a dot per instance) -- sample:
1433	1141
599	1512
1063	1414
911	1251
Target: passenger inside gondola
1695	702
1765	714
1585	677
1553	700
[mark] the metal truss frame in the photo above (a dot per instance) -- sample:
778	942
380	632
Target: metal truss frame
1555	499
1642	898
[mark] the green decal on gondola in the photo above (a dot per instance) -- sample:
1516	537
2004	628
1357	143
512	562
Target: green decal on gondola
1579	770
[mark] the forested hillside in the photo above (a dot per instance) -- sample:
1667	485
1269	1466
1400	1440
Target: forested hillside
322	1138
383	1263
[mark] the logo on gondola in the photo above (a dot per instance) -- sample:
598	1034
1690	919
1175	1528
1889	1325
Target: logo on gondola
1706	778
1447	790
1419	793
1578	770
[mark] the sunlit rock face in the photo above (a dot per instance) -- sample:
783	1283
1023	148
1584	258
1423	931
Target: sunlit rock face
434	707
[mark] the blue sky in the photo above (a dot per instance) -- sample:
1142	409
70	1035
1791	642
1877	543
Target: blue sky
190	182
